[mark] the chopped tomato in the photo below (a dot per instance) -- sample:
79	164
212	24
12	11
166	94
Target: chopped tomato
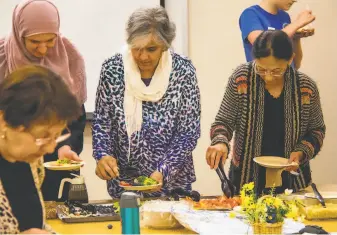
217	203
123	183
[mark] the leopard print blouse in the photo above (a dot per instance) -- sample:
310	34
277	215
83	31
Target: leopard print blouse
9	224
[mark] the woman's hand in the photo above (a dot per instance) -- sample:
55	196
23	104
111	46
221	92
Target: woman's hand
295	157
157	176
215	153
107	168
35	231
65	152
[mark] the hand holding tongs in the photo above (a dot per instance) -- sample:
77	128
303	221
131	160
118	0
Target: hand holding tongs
226	185
178	193
318	195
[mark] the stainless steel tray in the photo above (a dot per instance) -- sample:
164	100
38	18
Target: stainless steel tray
313	210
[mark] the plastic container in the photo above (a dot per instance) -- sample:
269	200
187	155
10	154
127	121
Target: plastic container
157	214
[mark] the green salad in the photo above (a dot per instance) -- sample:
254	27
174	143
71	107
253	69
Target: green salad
145	181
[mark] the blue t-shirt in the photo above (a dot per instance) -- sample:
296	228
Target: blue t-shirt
255	18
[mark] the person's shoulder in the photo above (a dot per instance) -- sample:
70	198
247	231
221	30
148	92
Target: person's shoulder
182	62
113	62
240	74
307	82
184	69
252	10
68	44
72	51
112	69
242	70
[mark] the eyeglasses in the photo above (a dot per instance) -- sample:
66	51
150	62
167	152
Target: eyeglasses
275	73
59	139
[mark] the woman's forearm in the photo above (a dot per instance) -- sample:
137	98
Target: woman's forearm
298	53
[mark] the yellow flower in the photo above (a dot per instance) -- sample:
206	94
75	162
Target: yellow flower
293	212
278	202
250	186
287	192
301	218
269	201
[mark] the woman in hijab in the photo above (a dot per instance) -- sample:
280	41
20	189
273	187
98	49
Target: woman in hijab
147	116
35	39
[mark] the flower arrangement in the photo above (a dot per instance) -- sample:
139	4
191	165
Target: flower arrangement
266	214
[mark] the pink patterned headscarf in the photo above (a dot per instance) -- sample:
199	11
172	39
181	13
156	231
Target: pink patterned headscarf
35	17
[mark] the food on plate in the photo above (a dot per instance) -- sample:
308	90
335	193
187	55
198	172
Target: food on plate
123	183
77	210
65	162
305	29
145	181
219	203
140	181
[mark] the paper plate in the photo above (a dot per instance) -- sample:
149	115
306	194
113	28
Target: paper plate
273	162
65	167
325	195
140	188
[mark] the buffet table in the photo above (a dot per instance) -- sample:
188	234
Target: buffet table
102	227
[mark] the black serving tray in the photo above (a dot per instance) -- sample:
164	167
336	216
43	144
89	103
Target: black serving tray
63	216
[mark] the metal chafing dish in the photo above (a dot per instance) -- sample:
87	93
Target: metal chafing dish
312	208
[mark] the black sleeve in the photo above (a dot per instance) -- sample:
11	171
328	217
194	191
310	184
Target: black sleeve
77	131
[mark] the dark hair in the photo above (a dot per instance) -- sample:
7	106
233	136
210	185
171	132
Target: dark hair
35	95
275	43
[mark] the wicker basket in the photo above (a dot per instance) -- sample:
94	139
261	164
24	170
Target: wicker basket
265	228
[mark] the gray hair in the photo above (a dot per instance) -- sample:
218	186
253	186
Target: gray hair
155	20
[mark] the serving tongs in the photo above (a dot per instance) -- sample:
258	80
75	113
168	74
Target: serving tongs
227	186
318	195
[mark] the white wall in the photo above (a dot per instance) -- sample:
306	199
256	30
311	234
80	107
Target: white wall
96	27
215	48
178	13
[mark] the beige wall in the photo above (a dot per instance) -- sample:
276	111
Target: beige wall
215	48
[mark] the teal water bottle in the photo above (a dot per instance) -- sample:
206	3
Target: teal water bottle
129	210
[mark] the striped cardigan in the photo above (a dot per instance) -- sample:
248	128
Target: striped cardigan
242	113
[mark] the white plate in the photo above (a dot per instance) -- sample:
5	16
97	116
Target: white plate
65	167
140	188
325	195
272	162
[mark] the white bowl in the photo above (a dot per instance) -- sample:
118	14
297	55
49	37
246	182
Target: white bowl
157	214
